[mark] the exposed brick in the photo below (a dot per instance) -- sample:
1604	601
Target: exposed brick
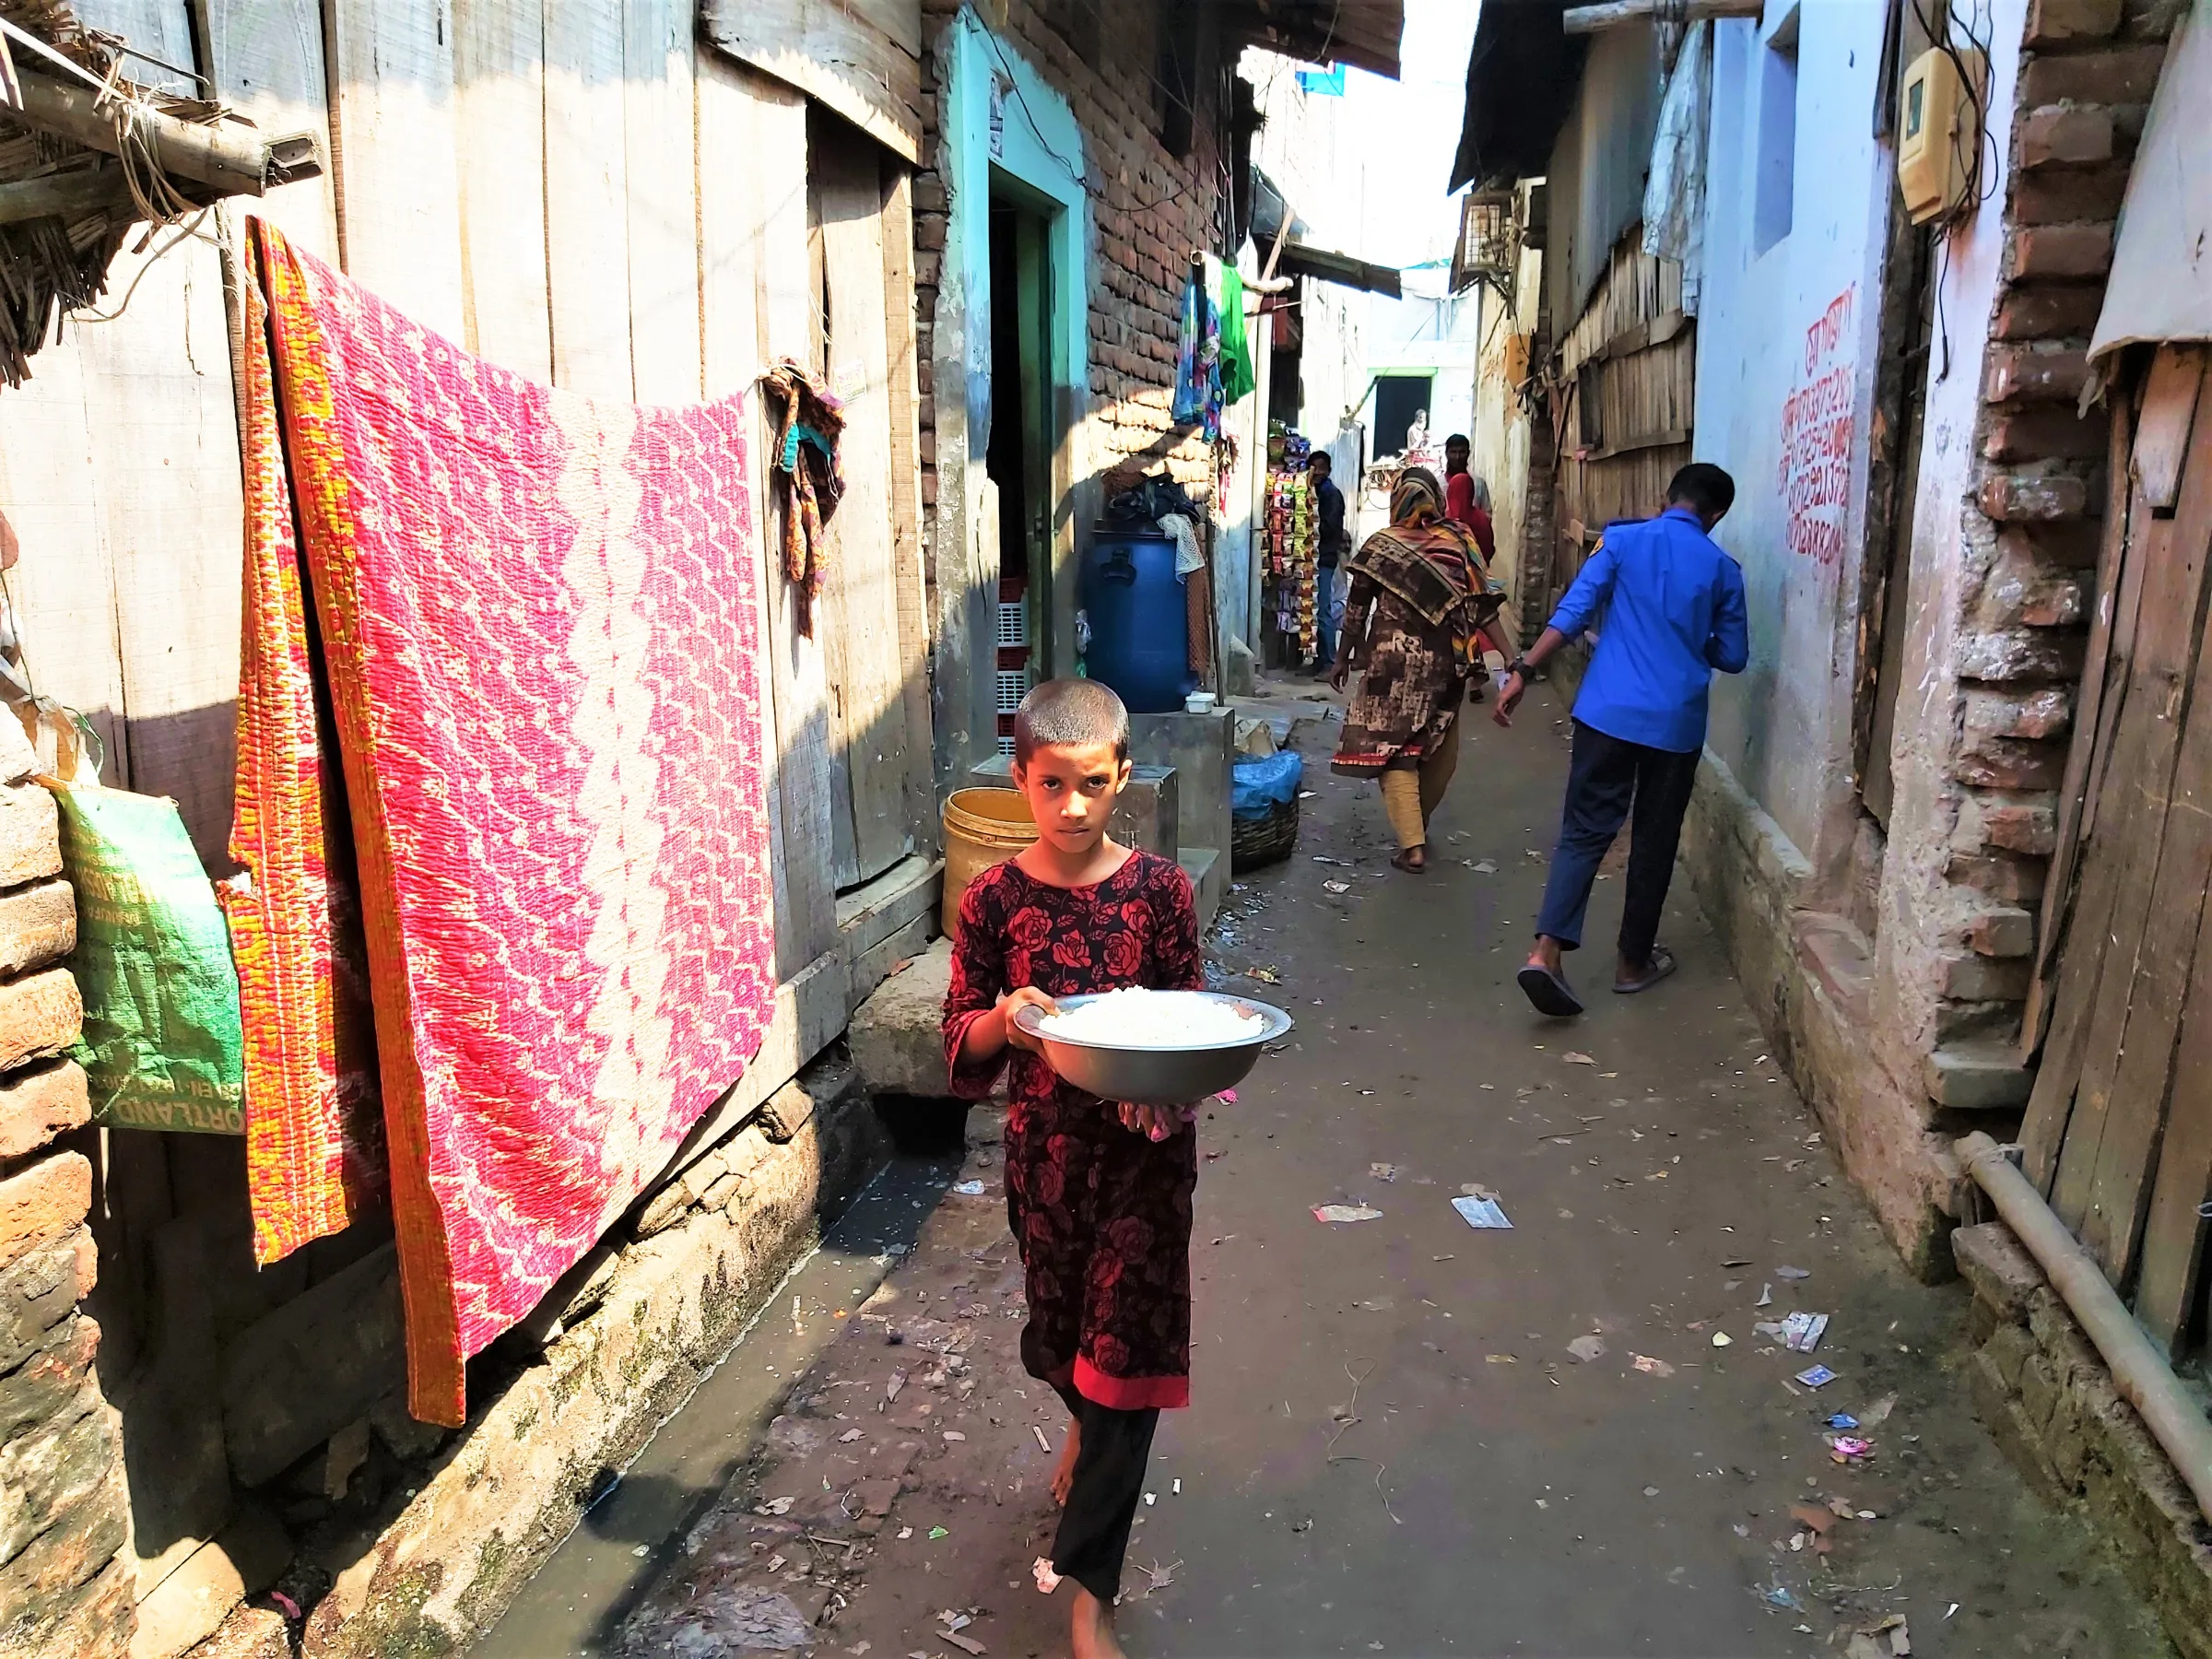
2010	763
71	1553
2033	373
2005	932
2053	22
2017	823
41	1290
2070	544
2059	251
2000	875
38	926
36	1106
1979	978
2025	588
51	1469
40	1203
2124	75
2045	712
2004	1276
2060	198
2049	313
2063	135
31	838
2012	497
2018	654
39	1017
2046	433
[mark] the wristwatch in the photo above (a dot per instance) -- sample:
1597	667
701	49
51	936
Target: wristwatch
1520	665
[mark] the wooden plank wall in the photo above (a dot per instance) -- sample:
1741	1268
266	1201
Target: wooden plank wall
1631	364
581	192
2119	1129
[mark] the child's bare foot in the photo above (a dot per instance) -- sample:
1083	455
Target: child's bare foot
1092	1634
1064	1478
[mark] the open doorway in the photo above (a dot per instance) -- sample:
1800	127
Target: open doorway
1400	400
1020	457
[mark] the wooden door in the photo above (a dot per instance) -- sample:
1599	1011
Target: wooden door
2119	1131
858	614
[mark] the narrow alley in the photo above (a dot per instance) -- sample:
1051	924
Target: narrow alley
1410	1436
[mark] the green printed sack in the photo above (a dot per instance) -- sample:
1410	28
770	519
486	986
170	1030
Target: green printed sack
163	1046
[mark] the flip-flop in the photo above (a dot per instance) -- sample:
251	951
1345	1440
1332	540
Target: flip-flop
1399	863
1549	992
1658	968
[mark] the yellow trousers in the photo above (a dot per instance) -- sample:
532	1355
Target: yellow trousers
1410	793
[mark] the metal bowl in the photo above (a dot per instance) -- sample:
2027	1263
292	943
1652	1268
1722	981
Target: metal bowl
1156	1076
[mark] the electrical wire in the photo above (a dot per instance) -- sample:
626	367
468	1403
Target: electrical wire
1980	183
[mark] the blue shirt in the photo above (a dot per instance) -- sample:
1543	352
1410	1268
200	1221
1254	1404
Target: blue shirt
1673	609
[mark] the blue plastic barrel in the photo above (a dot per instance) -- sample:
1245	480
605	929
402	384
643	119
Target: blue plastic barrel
1139	630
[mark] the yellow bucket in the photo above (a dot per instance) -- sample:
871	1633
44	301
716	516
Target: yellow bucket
982	826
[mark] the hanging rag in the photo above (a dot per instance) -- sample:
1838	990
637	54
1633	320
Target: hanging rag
1674	192
1239	378
810	420
1185	533
1198	356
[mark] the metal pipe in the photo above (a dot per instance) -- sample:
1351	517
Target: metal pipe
2139	1370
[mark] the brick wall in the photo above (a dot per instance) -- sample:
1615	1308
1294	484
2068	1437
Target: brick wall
67	1584
2044	1393
1148	210
2087	75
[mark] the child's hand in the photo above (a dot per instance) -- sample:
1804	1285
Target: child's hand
1025	996
1155	1122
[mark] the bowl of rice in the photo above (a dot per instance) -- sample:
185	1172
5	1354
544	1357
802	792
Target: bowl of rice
1154	1048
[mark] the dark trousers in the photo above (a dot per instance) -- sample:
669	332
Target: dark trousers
1102	1503
1606	781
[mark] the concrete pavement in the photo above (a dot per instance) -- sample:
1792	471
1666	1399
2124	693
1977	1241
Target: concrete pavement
1410	1436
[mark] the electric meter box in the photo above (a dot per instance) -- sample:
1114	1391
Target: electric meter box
1939	132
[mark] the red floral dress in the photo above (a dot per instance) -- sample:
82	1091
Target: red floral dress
1101	1214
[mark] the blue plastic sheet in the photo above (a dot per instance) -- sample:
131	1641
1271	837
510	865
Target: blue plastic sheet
1259	784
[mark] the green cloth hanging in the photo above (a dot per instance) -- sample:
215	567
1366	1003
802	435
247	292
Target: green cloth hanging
1239	378
163	1046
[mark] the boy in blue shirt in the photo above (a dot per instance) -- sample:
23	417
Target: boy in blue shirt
1672	605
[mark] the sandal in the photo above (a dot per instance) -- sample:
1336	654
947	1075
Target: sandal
1661	965
1549	992
1399	862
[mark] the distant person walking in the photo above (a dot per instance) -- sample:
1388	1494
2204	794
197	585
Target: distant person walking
1673	609
1328	596
1422	605
1467	497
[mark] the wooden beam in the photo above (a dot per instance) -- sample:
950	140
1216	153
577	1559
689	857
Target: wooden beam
1629	446
230	156
68	195
1594	19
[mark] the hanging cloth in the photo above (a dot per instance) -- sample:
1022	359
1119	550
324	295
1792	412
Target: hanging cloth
1240	379
807	472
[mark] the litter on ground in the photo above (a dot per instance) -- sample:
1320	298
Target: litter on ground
1334	1213
1657	1367
969	1189
1817	1376
1587	1348
1480	1212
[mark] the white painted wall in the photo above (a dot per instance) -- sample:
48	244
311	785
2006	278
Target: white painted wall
1797	320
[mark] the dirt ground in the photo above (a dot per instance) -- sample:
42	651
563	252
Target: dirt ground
1410	1436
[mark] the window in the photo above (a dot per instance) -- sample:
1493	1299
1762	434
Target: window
1774	184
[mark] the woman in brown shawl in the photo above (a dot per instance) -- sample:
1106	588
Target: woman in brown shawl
1421	605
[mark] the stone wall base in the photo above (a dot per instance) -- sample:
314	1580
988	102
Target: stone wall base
638	1329
1802	973
2044	1393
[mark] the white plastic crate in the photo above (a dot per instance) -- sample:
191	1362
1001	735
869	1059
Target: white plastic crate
1013	623
1005	746
1013	684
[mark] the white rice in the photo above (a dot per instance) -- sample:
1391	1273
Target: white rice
1162	1020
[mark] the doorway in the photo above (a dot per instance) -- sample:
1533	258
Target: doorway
1019	458
1400	399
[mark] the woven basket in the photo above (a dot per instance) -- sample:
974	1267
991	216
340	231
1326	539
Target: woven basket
1254	841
